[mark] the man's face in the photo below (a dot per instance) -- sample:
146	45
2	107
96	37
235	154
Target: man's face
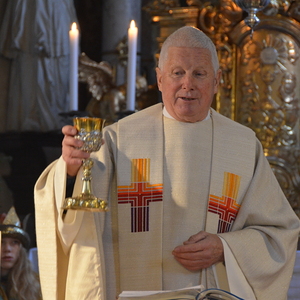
188	83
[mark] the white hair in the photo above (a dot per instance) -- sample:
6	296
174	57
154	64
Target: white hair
191	37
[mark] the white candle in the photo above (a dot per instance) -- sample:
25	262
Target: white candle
74	49
131	66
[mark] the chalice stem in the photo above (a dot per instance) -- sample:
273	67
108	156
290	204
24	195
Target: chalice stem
87	177
86	187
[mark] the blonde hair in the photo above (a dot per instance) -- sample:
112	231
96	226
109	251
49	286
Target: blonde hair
191	37
23	283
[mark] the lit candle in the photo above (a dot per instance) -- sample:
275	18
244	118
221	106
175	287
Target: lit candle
74	49
131	66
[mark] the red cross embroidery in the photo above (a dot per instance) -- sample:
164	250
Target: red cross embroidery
226	206
227	210
139	194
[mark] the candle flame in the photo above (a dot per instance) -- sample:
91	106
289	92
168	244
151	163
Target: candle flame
132	24
74	26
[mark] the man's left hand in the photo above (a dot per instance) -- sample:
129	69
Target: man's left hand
200	251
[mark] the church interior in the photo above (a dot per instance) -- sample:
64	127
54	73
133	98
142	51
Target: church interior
258	45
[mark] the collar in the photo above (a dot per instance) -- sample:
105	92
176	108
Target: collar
167	115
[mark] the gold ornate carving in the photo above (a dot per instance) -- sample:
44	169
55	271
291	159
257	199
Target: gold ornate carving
266	63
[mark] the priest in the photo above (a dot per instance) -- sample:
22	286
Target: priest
192	199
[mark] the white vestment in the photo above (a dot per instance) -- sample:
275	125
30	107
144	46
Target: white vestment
163	180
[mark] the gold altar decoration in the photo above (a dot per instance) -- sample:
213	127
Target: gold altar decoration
260	72
90	132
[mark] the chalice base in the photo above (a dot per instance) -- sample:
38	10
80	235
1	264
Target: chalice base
87	202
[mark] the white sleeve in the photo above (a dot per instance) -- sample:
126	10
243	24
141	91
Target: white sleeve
237	282
70	225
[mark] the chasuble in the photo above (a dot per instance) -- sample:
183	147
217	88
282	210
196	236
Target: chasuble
165	181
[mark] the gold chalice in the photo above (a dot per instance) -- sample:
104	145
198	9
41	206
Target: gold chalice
90	132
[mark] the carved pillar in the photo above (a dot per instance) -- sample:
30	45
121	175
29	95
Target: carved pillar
116	17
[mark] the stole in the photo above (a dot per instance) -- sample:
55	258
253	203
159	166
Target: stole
140	195
233	163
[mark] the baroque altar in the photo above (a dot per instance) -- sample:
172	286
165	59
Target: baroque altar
260	72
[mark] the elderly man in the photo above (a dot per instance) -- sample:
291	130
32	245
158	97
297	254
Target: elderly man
215	214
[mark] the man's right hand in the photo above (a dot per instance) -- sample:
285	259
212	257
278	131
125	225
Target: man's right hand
70	152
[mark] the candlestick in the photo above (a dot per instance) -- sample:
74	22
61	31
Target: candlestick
131	66
74	45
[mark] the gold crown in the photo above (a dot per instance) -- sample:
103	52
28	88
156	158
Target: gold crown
11	227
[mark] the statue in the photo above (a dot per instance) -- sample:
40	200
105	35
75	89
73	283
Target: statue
34	45
108	100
